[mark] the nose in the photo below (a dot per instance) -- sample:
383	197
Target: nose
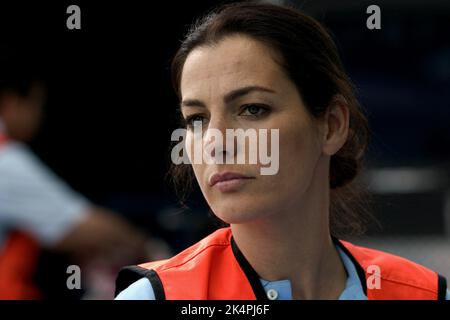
217	147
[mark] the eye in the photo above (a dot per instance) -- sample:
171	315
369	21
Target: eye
254	110
189	120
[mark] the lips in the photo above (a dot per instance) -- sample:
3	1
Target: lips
226	176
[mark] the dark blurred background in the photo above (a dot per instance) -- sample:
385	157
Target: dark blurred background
402	74
110	109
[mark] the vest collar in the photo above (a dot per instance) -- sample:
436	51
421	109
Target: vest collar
249	272
255	281
358	267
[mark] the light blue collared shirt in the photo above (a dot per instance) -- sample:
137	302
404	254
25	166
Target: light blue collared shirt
142	289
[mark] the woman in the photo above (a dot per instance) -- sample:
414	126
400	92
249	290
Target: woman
260	66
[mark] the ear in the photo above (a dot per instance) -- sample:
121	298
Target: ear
336	125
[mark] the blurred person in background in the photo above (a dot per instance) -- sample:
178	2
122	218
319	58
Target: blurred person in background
38	211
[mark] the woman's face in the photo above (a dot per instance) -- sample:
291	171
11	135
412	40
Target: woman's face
209	75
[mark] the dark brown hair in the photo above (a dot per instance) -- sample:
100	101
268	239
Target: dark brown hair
310	59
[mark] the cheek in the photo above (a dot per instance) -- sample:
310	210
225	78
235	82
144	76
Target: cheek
189	145
198	169
299	152
194	145
199	172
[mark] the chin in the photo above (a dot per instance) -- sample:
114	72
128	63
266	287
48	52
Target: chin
235	212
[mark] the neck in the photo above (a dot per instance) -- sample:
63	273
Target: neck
296	245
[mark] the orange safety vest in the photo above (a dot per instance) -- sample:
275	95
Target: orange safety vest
215	269
19	257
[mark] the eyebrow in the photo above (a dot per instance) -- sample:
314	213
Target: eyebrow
228	98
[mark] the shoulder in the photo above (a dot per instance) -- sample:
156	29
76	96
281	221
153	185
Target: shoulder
139	290
214	243
394	265
24	174
32	195
202	255
397	272
18	154
19	164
